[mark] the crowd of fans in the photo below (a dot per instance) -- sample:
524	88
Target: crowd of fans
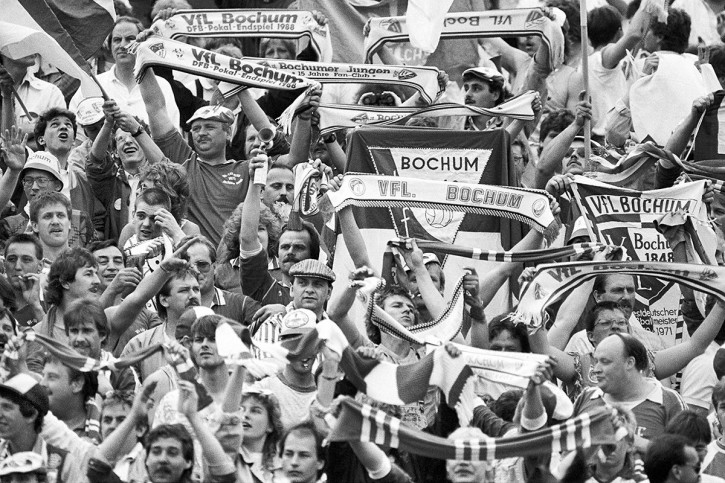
133	221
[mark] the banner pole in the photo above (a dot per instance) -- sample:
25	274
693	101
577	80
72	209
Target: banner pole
585	78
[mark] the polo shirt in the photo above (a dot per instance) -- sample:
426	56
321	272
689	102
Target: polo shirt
214	190
234	306
259	284
653	413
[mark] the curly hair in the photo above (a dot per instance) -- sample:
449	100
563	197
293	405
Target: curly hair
172	179
274	421
269	218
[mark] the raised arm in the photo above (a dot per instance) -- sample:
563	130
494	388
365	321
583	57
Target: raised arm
121	317
302	133
340	304
670	361
612	54
128	123
153	98
250	213
99	148
553	154
14	153
681	135
432	298
564	369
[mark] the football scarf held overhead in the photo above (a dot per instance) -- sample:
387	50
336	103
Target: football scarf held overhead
494	23
157	51
371	191
281	24
339	116
552	281
423	79
525	256
618	216
361	422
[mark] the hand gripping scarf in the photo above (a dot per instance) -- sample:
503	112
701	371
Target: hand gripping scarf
552	281
338	116
361	422
423	79
494	23
280	24
366	190
524	256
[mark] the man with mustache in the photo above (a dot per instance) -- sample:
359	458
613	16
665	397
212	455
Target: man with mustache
50	215
86	326
179	292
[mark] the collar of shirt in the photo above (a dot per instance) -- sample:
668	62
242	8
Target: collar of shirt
218	298
655	395
32	80
291	306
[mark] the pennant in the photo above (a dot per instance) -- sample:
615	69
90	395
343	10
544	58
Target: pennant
361	422
423	79
623	217
552	281
495	23
339	116
157	51
30	27
280	24
370	191
524	256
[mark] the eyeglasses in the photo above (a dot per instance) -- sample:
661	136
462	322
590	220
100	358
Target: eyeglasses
42	181
202	266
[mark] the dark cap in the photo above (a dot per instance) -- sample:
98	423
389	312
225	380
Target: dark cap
312	269
488	74
24	386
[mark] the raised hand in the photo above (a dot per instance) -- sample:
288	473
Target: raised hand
13	148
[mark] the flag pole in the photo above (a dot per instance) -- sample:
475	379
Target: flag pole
585	78
103	91
22	104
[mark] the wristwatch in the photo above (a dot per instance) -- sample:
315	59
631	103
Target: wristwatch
138	132
330	138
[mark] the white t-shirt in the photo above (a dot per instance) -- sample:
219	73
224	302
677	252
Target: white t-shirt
606	87
293	403
699	379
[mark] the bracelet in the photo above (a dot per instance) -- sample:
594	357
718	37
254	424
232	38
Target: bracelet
476	313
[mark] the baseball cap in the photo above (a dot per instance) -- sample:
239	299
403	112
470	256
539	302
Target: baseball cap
26	387
43	161
312	269
89	111
298	321
23	463
484	73
213	113
579	230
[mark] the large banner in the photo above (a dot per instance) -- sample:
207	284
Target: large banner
441	155
623	217
494	23
282	24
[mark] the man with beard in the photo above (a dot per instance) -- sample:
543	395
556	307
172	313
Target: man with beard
579	370
40	175
299	241
23	264
116	186
86	326
179	292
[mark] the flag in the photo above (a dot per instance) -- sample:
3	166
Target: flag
88	22
439	155
626	218
30	27
361	422
635	170
710	138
